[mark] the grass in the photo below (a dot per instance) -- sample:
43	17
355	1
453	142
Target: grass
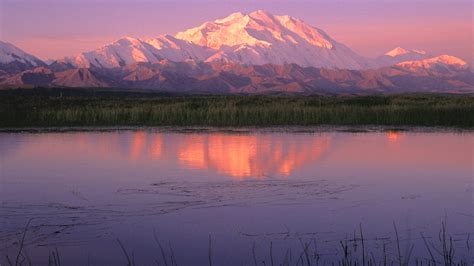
69	108
352	251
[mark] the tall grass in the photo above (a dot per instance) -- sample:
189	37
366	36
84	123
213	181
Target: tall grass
352	251
151	110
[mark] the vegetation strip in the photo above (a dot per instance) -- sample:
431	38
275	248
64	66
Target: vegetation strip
69	108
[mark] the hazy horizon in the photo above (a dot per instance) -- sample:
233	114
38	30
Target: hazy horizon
53	29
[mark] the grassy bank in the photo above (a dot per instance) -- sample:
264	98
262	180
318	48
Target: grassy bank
52	108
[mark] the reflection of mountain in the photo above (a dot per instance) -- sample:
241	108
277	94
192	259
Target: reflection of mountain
240	156
394	136
141	145
236	155
243	156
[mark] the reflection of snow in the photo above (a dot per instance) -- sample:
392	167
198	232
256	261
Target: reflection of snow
243	156
394	136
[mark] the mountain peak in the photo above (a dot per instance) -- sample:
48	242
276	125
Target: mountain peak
10	54
255	38
449	60
231	17
258	14
399	51
257	29
261	15
127	40
233	30
442	61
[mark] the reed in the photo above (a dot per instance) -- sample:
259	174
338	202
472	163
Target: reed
308	254
50	110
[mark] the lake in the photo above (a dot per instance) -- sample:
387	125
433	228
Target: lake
235	197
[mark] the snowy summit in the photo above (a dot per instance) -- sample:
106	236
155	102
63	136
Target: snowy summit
255	38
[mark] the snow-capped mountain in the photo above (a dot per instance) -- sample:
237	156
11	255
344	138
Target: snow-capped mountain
242	53
255	38
399	55
262	38
13	59
129	50
399	52
442	64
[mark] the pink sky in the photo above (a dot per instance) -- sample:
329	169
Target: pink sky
56	28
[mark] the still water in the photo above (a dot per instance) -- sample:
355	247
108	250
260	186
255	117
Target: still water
244	190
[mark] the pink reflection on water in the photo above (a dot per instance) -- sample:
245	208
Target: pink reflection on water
192	153
254	155
156	147
244	156
138	144
394	136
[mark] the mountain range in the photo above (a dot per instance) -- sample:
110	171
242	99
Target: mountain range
242	53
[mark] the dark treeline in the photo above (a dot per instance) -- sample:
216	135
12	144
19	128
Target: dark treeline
94	107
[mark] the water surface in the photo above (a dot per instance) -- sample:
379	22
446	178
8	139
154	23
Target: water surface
85	190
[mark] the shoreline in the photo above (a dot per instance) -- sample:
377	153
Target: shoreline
243	130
